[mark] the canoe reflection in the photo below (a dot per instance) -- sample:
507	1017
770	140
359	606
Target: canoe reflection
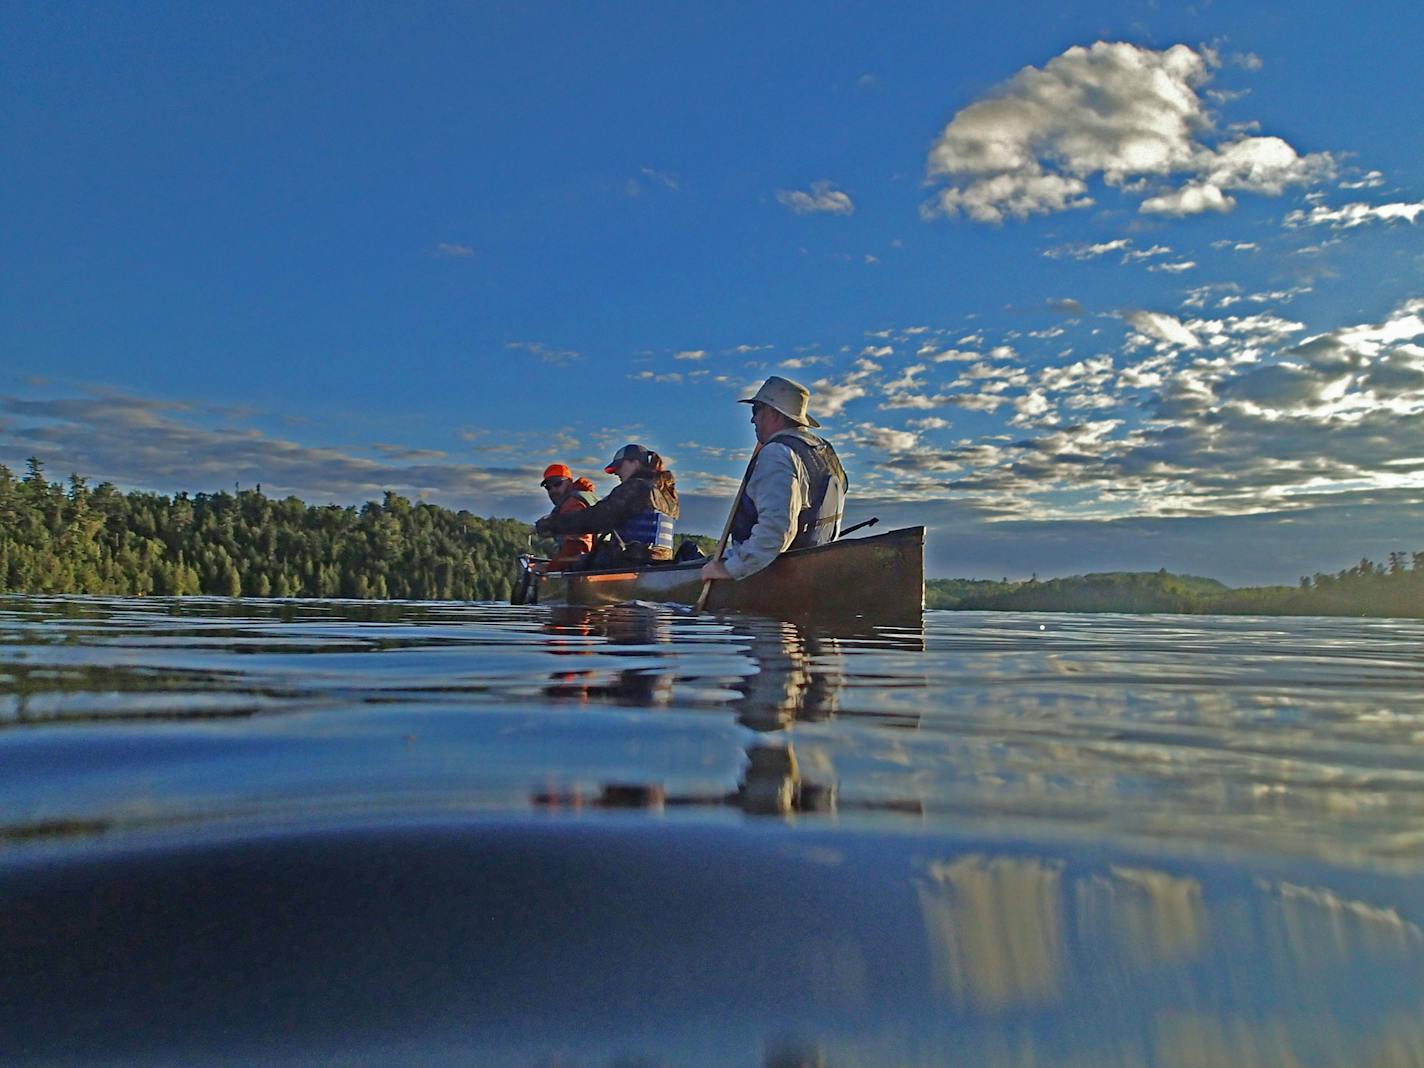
797	676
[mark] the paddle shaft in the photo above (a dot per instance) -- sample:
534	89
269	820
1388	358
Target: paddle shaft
726	532
851	530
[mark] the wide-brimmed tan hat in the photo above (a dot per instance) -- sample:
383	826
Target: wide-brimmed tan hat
787	397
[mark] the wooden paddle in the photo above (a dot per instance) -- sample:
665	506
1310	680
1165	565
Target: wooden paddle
726	532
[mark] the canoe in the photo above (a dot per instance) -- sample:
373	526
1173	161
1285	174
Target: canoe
877	578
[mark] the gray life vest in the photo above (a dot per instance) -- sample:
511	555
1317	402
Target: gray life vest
820	521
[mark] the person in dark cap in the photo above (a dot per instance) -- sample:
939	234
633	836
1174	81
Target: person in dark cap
567	494
795	489
635	520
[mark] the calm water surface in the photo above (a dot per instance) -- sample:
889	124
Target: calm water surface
355	833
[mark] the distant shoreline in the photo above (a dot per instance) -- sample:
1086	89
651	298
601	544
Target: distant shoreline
1391	590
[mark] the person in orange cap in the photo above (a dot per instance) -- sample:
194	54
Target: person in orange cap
567	494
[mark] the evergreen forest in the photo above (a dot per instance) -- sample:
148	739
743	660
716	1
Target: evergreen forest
77	539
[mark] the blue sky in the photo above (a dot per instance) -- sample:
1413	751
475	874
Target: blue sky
1111	286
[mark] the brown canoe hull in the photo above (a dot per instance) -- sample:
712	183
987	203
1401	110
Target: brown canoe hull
875	578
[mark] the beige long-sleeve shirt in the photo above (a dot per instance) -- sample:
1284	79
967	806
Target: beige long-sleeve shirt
780	488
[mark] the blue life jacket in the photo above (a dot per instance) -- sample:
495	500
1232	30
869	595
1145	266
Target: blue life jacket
820	521
651	528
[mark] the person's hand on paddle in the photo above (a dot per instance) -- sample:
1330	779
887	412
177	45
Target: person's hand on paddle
714	569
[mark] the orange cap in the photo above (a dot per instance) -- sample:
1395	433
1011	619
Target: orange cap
556	471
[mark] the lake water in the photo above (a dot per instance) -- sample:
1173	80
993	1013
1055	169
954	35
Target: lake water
357	833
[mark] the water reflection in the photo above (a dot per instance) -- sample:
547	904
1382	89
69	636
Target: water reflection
1297	737
796	676
633	836
634	941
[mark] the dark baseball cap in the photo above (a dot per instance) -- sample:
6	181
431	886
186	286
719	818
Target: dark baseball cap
627	452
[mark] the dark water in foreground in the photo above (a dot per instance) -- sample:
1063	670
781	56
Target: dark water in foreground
345	833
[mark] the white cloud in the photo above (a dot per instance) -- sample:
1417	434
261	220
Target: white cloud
886	440
691	354
1087	251
1199	296
1162	328
823	199
928	352
1174	268
1115	110
1262	165
1192	199
1352	215
453	250
1370	180
797	362
1146	253
1091	373
662	178
544	352
829	396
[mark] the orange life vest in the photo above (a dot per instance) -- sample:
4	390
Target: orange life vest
574	545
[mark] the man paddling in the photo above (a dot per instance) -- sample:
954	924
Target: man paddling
795	488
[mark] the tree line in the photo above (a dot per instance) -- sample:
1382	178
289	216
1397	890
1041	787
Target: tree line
73	538
1394	588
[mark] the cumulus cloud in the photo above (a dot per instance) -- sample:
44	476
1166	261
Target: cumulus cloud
798	362
928	352
1132	116
885	439
1087	250
1352	215
1133	255
1161	329
823	199
453	250
691	354
1252	426
1192	199
1369	180
829	396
